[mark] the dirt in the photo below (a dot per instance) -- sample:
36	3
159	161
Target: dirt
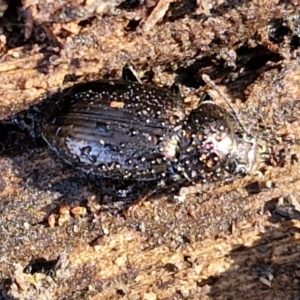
62	238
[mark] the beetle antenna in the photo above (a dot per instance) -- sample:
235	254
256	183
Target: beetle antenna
212	85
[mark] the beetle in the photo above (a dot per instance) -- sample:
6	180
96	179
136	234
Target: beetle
125	130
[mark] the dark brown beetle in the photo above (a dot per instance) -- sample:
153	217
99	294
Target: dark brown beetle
126	130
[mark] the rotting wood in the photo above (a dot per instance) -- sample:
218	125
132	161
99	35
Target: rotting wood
238	241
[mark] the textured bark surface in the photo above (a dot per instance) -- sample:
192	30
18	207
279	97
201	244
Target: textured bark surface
60	239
